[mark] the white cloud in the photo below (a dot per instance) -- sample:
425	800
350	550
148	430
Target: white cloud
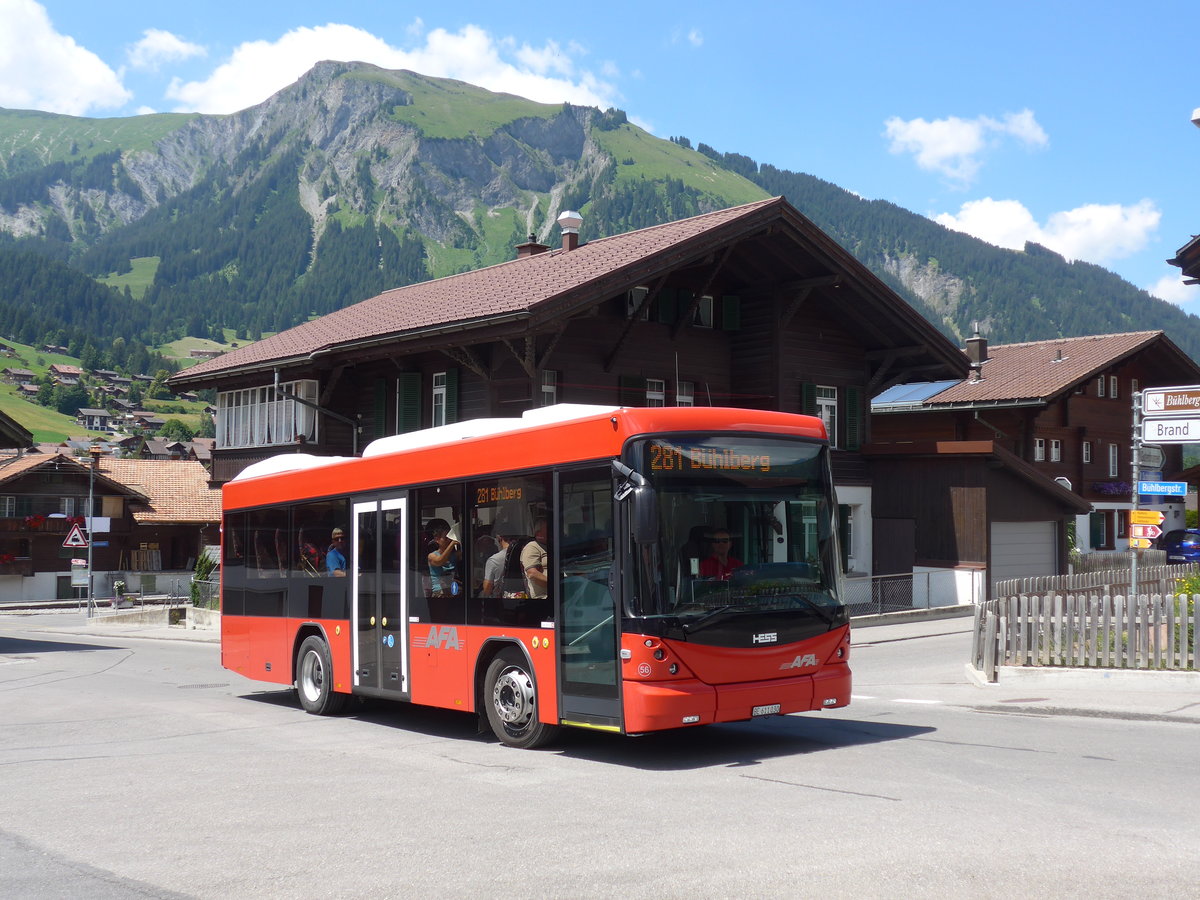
1097	233
157	47
695	38
953	146
1173	289
257	69
43	69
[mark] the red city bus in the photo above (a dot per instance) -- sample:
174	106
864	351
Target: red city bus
629	570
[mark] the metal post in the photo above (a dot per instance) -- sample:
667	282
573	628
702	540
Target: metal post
94	453
1137	476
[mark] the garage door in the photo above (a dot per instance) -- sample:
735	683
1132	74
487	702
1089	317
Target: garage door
1021	549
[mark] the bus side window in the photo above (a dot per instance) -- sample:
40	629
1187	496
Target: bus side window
439	560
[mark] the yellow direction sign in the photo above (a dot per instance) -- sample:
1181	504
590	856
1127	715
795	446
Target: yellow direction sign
1145	517
1139	543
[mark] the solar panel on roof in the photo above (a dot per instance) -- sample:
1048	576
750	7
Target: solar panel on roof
911	394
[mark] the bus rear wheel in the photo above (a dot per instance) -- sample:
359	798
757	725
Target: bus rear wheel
511	702
314	679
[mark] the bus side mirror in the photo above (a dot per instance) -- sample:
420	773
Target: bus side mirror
645	502
645	515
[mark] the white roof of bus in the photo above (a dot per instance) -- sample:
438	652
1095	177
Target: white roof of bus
287	462
458	431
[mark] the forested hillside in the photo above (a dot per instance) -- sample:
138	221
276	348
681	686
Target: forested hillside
356	179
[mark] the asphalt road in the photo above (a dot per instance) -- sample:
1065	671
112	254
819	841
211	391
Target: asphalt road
139	768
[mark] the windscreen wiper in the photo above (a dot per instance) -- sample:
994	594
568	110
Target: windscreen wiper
817	608
709	617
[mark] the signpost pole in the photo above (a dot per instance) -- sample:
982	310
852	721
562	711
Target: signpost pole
1136	546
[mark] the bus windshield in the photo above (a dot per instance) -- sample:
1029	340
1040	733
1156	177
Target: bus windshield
745	527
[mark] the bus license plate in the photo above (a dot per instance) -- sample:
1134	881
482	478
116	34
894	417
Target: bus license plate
771	710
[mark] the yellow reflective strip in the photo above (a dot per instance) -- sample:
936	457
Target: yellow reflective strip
613	728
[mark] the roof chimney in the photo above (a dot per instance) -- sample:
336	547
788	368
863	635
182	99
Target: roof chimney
569	222
977	353
530	247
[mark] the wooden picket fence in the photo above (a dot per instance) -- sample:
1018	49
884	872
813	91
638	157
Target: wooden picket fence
1149	632
1151	579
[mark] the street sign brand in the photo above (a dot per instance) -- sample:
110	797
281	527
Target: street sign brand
1145	517
1172	401
1171	431
1167	488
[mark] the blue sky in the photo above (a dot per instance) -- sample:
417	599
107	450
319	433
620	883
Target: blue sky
1059	122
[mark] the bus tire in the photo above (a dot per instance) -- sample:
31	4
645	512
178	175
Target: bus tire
511	702
314	679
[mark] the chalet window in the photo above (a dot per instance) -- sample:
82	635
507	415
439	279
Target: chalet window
1099	530
1055	451
822	400
263	417
704	313
635	304
439	399
685	393
1039	449
8	507
1100	386
828	411
549	395
66	506
1122	523
846	535
1087	452
1133	386
1112	386
656	392
1113	461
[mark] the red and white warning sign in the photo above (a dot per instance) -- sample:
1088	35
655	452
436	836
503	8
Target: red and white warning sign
76	537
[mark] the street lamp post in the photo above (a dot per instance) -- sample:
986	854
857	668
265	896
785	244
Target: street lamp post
94	452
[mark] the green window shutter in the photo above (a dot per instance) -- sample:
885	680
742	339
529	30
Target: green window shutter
854	418
731	312
808	398
381	392
668	309
631	390
408	387
451	395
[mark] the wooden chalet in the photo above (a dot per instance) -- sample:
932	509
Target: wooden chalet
751	306
147	516
1188	260
1064	409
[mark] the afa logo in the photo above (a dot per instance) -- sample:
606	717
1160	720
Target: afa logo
442	637
800	662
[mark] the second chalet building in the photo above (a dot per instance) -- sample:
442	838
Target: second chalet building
752	306
1063	407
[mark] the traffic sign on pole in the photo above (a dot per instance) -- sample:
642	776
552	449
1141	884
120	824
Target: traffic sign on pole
1172	401
1146	517
1139	543
1171	430
76	538
1144	531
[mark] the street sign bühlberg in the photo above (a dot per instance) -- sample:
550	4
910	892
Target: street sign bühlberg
1168	488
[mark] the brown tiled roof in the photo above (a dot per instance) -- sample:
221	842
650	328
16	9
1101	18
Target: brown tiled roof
1039	370
176	491
516	286
16	467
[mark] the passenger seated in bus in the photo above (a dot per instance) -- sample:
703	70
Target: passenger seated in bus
720	564
335	556
493	568
535	562
443	560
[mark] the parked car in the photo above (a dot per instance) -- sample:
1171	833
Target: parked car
1182	545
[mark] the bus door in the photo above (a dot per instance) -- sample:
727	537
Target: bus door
586	616
380	609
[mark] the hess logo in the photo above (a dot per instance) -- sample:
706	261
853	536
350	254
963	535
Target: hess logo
768	637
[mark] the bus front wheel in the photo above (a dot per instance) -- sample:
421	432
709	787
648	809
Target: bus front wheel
314	679
511	702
